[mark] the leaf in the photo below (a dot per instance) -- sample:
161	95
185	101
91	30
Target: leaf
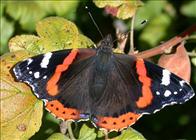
102	4
2	8
24	42
156	30
87	133
7	29
84	42
188	9
60	8
130	134
193	60
21	111
50	125
122	9
151	9
56	34
126	11
28	13
177	63
58	136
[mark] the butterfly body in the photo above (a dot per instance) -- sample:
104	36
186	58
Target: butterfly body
112	89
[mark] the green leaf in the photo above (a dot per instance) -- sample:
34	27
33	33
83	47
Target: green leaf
56	34
150	10
58	136
24	42
84	42
2	8
7	30
21	111
100	134
87	133
28	13
50	125
156	30
188	9
60	8
193	60
130	134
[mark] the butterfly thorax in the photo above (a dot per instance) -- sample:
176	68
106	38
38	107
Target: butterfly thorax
102	66
105	46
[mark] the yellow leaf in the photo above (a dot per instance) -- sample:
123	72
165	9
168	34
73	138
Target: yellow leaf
24	42
21	111
56	34
127	10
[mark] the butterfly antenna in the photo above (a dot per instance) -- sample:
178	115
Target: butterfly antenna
89	13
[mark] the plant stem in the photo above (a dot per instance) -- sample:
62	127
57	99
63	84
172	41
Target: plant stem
168	44
132	35
105	132
192	54
70	130
63	127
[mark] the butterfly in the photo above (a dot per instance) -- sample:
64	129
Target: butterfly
113	90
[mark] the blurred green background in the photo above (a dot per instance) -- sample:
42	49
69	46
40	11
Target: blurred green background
166	18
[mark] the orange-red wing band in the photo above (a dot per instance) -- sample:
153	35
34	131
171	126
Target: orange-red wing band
123	121
147	96
56	108
52	87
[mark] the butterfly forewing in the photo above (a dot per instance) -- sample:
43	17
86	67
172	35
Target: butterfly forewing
37	71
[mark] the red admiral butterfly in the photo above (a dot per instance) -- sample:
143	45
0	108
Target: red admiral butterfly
111	89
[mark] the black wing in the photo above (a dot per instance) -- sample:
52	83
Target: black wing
38	70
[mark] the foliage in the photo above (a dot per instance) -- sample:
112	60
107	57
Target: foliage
19	106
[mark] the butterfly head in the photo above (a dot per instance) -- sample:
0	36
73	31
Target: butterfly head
106	44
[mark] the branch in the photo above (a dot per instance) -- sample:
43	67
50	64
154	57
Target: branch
132	35
169	44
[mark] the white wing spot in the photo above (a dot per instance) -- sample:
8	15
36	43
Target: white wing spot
167	93
157	92
45	101
173	103
182	83
30	72
36	75
166	77
45	77
180	89
45	60
175	92
27	68
29	61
